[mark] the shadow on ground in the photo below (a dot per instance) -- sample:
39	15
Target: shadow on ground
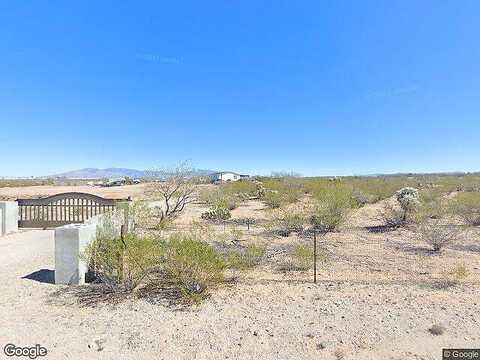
44	276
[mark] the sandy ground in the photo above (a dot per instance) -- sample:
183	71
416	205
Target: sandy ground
375	299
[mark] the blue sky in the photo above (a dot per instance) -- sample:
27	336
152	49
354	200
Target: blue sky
316	87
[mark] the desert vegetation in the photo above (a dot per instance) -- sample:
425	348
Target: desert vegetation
231	250
201	256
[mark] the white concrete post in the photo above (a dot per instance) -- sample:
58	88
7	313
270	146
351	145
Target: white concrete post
70	242
8	217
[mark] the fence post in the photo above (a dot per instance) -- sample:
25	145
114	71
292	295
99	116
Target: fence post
314	256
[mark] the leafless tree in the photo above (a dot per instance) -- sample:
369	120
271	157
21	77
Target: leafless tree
173	187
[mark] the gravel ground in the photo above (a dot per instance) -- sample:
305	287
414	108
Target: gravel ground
375	300
256	318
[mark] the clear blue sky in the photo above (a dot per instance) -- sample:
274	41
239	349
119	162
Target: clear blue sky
317	87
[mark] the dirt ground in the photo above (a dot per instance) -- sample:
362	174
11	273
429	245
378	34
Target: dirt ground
376	298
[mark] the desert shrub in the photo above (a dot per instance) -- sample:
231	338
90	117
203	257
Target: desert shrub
218	197
282	190
378	188
285	221
228	202
392	215
192	264
467	206
438	235
331	209
436	330
362	198
242	189
452	277
273	200
245	258
217	213
300	258
121	264
433	205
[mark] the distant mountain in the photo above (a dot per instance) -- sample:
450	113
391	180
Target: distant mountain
94	173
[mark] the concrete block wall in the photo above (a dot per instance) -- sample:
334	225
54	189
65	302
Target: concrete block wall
8	217
72	240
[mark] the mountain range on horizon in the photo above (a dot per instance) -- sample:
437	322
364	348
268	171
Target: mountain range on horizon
95	173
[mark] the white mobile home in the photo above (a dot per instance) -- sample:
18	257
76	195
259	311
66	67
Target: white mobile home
227	176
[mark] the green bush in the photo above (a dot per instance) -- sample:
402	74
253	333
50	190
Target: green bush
332	208
302	257
245	258
273	200
217	213
122	265
282	191
192	264
467	206
218	197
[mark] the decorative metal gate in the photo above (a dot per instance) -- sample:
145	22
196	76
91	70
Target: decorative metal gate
62	209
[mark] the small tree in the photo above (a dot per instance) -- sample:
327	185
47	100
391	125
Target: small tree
174	188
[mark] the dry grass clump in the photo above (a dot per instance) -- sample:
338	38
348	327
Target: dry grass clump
438	235
299	259
452	277
467	206
245	258
284	221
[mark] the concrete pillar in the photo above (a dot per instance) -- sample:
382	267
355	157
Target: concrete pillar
70	242
8	217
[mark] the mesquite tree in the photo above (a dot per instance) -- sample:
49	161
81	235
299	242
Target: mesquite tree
173	188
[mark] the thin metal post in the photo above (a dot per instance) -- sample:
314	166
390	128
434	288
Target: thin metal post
315	256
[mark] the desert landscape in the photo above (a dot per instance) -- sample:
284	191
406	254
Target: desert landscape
388	286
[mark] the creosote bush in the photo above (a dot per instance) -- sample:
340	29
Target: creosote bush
331	209
273	200
467	206
192	264
184	260
218	197
121	265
